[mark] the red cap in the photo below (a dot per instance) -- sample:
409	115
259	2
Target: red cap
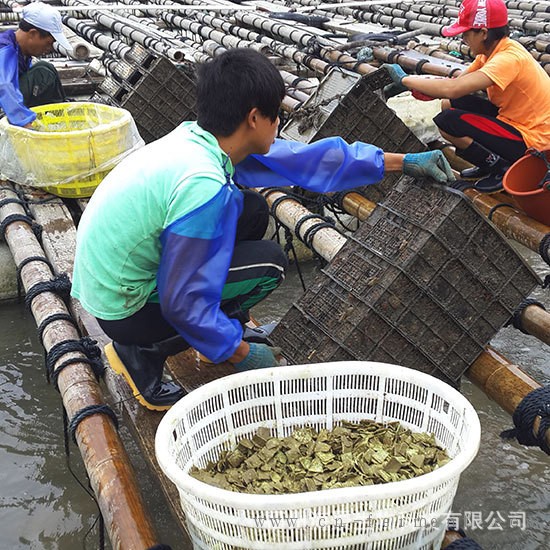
478	14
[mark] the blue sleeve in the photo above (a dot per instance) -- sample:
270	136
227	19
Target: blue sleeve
196	254
330	164
11	97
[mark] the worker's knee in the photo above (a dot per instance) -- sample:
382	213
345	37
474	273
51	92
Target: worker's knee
254	218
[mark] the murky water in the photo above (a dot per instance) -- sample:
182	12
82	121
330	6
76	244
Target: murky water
503	499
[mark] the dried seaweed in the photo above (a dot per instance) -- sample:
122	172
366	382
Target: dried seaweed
350	455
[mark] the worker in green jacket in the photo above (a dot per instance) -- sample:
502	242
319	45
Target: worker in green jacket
170	251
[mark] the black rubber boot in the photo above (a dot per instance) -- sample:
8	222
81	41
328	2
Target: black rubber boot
485	162
142	367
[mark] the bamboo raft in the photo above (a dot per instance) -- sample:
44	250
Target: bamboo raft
345	34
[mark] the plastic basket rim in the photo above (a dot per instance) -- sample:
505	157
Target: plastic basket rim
124	119
185	483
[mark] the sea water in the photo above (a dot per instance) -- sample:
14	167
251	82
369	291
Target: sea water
503	500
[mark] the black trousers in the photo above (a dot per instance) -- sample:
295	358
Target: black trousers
256	269
475	117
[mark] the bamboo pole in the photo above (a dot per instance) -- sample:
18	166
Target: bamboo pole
288	212
107	464
88	30
144	38
502	381
514	224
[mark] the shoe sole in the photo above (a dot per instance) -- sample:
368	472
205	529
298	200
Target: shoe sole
119	368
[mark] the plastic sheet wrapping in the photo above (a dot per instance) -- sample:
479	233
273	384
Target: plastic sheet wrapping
69	149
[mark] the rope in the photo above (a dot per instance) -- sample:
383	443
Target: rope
23	263
544	248
52	318
60	285
515	320
84	345
35	227
90	410
496	207
301	222
536	403
12	200
160	547
289	247
419	65
311	231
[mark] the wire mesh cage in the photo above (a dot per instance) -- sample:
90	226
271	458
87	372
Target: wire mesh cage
426	281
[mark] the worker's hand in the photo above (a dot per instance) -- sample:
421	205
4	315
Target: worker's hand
432	164
260	356
397	74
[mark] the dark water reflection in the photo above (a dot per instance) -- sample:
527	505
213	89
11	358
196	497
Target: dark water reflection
41	505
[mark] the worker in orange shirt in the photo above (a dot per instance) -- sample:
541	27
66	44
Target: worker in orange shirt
490	134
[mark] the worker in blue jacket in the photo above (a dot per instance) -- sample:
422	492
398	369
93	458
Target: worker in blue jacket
169	250
22	85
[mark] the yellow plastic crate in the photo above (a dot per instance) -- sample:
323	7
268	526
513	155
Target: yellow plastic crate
76	145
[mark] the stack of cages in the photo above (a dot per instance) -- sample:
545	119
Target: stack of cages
159	94
349	105
425	282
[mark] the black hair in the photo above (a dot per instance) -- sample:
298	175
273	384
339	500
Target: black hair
494	35
26	27
231	85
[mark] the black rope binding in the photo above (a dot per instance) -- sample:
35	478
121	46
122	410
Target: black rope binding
301	222
23	263
311	231
35	227
160	547
536	403
52	318
85	345
60	284
544	248
278	201
12	200
515	320
496	207
90	410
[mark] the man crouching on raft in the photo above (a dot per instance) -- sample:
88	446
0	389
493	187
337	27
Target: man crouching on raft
169	251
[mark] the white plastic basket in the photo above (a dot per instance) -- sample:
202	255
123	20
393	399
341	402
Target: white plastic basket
405	514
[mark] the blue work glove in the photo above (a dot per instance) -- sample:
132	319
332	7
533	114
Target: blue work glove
397	74
432	164
260	356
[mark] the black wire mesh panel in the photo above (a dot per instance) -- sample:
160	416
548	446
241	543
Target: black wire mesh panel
346	104
158	94
425	282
